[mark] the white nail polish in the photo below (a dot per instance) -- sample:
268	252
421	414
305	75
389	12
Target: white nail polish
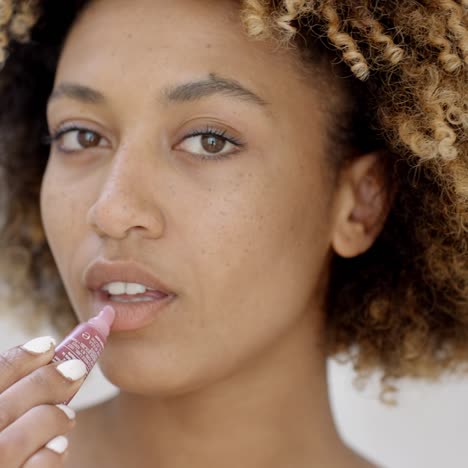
58	444
39	345
67	410
72	369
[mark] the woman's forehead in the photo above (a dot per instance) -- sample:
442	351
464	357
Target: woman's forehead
139	35
156	46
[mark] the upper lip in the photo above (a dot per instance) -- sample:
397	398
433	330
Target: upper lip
101	272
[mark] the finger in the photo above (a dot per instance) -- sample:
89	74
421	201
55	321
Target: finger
19	361
49	457
32	431
54	383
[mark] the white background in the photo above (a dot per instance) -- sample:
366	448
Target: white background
428	428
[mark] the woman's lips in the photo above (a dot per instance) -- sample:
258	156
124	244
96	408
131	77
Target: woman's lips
132	315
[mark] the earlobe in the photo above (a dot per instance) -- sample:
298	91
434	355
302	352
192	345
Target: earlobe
361	206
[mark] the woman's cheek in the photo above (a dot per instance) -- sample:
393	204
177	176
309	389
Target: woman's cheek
47	203
59	213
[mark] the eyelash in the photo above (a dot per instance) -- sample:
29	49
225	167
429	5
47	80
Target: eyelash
208	131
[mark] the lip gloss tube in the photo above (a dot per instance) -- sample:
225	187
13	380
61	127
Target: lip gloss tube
86	341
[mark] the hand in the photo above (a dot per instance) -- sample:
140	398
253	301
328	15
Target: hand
32	419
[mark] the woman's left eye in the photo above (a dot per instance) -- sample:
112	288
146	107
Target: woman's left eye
209	145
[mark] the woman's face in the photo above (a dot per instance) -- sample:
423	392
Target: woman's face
237	225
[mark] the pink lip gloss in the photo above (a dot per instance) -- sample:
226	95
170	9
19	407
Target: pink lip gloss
87	340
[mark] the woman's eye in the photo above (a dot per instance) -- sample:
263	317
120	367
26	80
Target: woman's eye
208	145
78	139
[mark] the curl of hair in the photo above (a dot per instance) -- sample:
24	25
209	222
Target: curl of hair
403	66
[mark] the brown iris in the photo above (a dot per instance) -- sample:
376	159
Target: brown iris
212	143
87	139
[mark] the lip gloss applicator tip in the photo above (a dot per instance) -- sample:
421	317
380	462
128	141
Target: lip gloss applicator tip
104	320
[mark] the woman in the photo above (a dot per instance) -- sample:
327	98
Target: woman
291	176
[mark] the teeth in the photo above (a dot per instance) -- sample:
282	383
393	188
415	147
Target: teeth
119	287
134	288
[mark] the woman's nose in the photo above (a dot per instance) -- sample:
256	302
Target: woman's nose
126	201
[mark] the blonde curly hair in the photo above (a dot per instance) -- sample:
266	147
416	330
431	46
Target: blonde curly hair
404	67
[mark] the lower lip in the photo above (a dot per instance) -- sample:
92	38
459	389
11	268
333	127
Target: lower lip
131	315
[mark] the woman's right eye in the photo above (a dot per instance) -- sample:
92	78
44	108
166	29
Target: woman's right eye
77	139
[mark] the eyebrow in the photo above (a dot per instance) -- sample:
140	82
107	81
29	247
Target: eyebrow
184	92
195	90
77	92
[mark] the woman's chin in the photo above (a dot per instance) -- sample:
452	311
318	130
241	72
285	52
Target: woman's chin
151	380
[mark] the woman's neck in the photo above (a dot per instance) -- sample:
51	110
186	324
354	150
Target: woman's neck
275	413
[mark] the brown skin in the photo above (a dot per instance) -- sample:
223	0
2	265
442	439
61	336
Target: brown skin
233	372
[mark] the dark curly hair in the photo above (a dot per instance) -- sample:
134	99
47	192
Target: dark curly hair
402	306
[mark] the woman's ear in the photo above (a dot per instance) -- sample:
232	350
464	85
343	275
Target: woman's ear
361	201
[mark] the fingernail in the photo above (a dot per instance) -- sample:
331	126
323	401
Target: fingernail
67	410
58	444
39	345
72	369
